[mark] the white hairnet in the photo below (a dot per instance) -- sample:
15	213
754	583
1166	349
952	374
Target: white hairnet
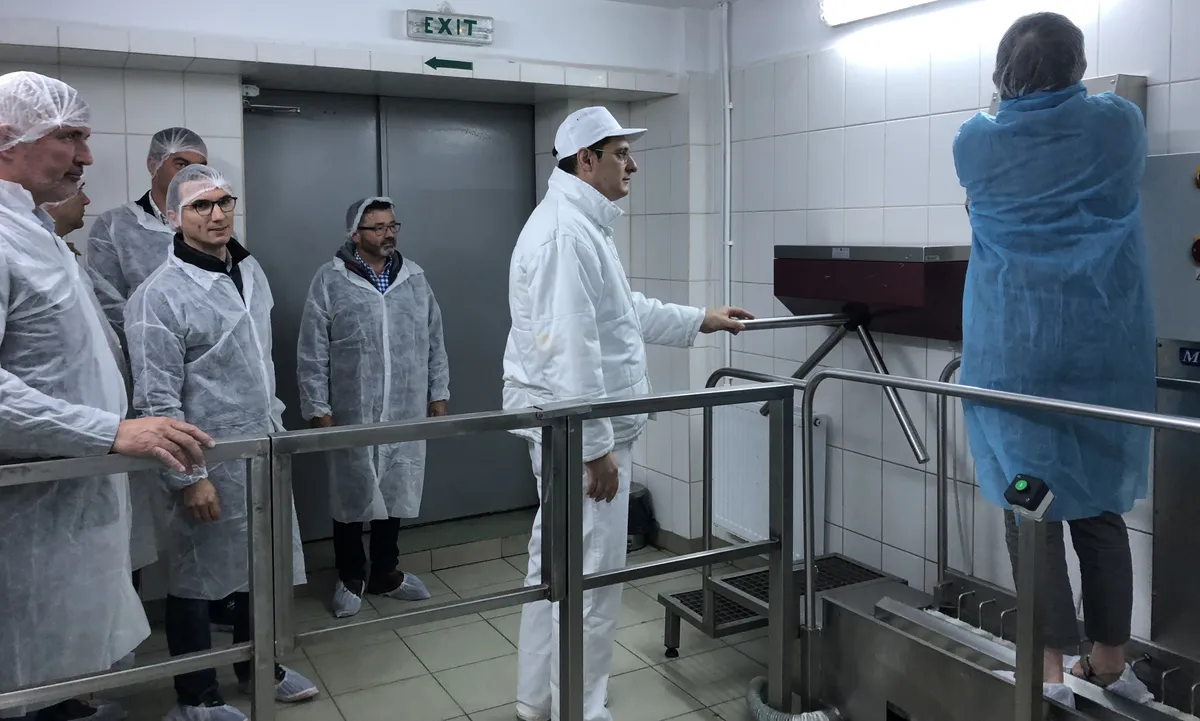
355	212
33	105
1042	51
166	143
198	179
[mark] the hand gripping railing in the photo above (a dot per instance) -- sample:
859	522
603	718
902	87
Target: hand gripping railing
1030	693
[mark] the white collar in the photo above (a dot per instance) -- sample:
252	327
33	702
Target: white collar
15	197
161	216
588	200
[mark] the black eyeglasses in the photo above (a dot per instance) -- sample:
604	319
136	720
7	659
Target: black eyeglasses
205	207
381	228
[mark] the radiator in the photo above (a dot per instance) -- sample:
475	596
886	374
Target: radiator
740	471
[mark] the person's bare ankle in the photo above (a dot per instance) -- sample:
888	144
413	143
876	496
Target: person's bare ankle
1052	666
1107	659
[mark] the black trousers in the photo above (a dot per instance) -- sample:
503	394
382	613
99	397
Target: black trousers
1106	580
188	631
348	552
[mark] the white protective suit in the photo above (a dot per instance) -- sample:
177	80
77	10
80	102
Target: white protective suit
201	354
69	605
125	245
370	357
579	333
129	242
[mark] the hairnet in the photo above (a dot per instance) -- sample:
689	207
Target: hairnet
166	143
32	105
355	212
1043	51
199	179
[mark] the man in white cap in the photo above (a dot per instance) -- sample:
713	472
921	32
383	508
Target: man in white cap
579	334
69	606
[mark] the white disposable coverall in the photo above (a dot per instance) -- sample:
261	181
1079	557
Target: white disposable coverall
579	333
125	245
201	354
69	606
370	357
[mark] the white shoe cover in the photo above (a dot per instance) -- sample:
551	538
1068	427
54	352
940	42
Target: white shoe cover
1059	692
205	713
345	602
1128	686
410	589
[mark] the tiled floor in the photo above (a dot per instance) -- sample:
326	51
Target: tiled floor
464	669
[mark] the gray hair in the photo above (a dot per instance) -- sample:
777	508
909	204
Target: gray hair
1042	51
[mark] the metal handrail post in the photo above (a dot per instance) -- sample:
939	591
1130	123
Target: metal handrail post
551	535
285	572
781	610
808	691
1031	598
570	551
708	596
262	590
943	476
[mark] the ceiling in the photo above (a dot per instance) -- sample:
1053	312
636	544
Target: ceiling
703	4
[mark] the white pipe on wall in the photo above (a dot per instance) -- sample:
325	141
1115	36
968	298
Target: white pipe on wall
726	178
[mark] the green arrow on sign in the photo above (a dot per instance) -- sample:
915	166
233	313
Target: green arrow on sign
438	63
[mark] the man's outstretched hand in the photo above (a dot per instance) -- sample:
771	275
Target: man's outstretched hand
177	445
725	318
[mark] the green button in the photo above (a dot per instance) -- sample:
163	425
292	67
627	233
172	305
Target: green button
1022	485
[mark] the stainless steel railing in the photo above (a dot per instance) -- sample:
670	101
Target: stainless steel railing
1029	691
270	539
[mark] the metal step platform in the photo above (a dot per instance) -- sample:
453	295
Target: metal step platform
740	598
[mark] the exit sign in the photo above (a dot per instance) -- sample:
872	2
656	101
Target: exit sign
450	28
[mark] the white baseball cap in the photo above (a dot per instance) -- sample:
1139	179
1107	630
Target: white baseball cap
584	128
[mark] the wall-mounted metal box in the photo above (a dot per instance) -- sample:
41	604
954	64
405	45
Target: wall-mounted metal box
1130	87
915	291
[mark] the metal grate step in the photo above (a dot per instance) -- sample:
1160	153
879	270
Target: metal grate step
832	572
726	612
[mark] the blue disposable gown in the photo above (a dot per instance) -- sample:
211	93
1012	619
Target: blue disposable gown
1057	300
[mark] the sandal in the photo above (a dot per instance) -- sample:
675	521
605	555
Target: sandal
1084	670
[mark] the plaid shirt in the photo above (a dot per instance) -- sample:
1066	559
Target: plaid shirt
381	281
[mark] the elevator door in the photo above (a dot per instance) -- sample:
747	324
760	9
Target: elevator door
302	172
461	175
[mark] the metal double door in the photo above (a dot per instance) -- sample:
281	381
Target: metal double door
461	175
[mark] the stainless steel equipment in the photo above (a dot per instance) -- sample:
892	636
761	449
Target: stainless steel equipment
1171	215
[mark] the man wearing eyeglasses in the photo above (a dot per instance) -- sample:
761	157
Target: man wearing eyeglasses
579	333
371	350
199	333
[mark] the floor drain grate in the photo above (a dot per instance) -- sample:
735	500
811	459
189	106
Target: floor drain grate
832	572
727	611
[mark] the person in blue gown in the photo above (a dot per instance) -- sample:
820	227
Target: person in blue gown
1057	304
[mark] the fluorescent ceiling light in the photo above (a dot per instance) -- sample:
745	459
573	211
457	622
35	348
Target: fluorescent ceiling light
841	12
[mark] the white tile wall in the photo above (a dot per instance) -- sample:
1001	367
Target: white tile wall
878	169
128	106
